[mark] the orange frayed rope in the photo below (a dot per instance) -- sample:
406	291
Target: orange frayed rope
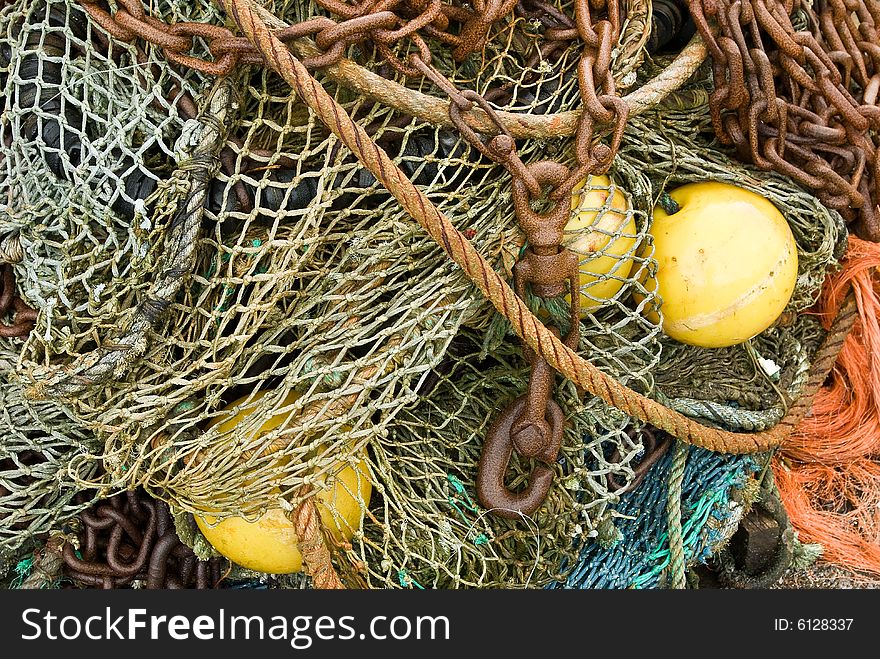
827	471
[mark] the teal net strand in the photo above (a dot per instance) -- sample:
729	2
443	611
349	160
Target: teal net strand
641	556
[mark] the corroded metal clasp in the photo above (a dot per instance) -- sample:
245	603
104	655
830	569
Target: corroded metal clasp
532	424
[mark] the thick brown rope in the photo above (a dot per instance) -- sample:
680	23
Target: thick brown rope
313	547
435	111
532	331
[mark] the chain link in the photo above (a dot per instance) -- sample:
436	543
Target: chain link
531	424
387	24
802	103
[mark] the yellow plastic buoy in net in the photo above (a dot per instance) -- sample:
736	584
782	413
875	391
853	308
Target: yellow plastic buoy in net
269	543
726	264
602	232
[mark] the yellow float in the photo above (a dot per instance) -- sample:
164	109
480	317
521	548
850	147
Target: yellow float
603	233
269	543
726	264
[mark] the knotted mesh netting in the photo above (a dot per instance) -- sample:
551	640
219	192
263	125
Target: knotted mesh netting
43	454
199	247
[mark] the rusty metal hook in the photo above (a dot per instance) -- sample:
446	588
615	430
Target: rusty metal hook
534	433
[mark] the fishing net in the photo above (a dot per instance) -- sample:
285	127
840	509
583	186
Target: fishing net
202	247
44	453
442	542
637	554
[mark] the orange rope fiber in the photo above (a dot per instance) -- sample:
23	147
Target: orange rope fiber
827	471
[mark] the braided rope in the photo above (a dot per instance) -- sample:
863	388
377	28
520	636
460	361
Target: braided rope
313	547
678	576
727	416
532	331
115	357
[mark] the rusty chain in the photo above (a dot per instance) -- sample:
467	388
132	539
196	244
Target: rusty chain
131	537
801	102
655	443
384	23
533	423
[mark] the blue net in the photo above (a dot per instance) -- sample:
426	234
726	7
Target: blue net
639	555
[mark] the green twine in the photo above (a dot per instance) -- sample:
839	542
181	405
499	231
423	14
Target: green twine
407	581
22	571
691	529
673	511
468	503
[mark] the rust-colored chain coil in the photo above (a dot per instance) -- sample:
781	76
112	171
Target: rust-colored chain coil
384	26
802	102
131	537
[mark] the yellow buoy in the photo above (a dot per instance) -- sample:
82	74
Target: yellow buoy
269	543
602	232
726	264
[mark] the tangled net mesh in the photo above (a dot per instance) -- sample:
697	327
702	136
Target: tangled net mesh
39	468
309	295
